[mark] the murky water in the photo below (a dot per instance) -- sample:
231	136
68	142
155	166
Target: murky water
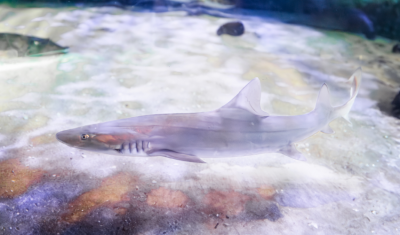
123	64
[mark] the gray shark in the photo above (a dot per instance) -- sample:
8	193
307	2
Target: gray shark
16	45
239	128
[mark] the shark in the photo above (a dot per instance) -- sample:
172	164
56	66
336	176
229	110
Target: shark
17	45
239	128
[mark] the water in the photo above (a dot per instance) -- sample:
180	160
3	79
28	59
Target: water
122	64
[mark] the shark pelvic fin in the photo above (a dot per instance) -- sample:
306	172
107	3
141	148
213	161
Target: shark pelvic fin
291	151
177	156
248	99
327	130
346	117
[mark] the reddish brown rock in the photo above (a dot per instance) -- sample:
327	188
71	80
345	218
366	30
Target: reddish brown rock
163	197
226	202
15	178
266	192
112	191
47	138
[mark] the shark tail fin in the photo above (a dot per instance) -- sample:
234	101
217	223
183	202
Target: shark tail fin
343	110
324	106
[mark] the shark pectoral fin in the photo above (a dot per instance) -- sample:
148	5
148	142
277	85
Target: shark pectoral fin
291	151
177	156
327	130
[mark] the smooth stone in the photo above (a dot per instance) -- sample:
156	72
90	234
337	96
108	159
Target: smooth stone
396	106
231	28
396	48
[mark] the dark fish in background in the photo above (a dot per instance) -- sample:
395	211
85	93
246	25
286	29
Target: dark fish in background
342	19
357	21
231	28
16	45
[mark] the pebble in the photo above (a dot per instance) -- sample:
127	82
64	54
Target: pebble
231	28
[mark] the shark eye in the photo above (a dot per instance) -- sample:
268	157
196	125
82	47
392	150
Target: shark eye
84	137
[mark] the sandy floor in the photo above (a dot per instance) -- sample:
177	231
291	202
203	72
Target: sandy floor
123	64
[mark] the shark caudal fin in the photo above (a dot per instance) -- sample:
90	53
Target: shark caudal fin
324	106
343	110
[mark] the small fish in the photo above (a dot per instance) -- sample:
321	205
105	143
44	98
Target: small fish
238	128
16	45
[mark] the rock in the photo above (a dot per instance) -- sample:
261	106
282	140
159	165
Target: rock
112	191
16	178
266	192
231	28
260	210
396	49
308	196
229	203
396	101
166	198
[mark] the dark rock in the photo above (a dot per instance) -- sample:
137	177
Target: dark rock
231	28
308	196
17	45
396	48
260	210
396	106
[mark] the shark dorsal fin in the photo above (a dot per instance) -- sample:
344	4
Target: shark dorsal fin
248	99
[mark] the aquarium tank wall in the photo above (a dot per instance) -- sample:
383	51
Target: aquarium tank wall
199	117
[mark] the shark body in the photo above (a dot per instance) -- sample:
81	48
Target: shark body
238	128
16	45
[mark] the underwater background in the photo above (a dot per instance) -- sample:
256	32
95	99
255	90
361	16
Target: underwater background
65	64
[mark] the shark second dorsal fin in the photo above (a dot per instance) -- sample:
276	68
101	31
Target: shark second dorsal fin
248	99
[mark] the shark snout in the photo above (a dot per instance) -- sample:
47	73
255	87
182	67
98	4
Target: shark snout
69	138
